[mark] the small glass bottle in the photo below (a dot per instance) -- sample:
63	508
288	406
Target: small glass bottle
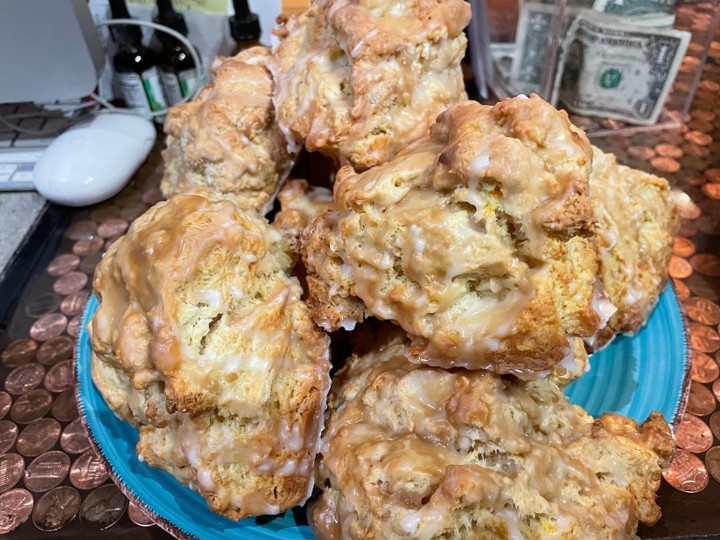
244	27
177	68
136	73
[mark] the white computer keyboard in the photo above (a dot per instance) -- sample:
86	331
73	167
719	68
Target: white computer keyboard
20	151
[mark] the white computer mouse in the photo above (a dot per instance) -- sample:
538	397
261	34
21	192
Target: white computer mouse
93	161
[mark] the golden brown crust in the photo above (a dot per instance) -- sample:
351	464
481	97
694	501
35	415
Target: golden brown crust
418	452
300	203
226	138
477	240
360	80
201	338
636	220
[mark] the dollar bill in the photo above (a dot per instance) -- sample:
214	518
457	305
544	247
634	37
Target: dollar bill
534	51
634	7
616	70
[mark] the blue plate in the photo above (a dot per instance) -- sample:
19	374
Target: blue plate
658	352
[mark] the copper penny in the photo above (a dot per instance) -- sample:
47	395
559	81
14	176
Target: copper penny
700	125
62	264
714	423
75	439
152	196
42	305
706	263
73	327
110	241
47	471
699	114
712	190
60	377
138	516
683	247
681	290
48	327
707	84
104	506
11	470
716	389
104	213
668	150
709	224
89	263
687	207
74	303
679	267
70	283
24	378
712	175
696	151
31	406
19	352
5	403
701	401
133	211
87	246
56	508
703	338
666	165
56	349
698	137
702	310
38	437
65	407
8	435
16	506
642	153
704	368
82	230
712	462
671	137
686	472
687	228
113	228
88	471
704	286
693	435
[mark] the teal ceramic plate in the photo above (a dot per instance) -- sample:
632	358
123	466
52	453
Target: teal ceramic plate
632	376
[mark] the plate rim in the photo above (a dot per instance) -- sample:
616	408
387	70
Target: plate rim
182	534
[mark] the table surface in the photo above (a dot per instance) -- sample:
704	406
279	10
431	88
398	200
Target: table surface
46	457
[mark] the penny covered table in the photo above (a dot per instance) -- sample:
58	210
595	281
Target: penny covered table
54	484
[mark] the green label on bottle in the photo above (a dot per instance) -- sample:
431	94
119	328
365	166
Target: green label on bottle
151	82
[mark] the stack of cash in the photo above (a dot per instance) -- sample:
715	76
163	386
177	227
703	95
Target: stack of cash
617	58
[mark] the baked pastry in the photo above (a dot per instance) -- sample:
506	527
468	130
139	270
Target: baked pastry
300	203
227	139
413	451
201	338
636	220
360	80
477	240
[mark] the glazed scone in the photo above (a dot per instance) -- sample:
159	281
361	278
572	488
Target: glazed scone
300	203
636	220
413	451
201	338
477	240
227	139
360	80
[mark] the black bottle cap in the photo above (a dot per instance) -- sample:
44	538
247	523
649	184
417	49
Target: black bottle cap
167	16
244	25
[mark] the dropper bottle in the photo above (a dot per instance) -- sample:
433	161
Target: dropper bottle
244	27
177	68
136	74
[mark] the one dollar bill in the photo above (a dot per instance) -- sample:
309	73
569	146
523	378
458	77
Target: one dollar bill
617	71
